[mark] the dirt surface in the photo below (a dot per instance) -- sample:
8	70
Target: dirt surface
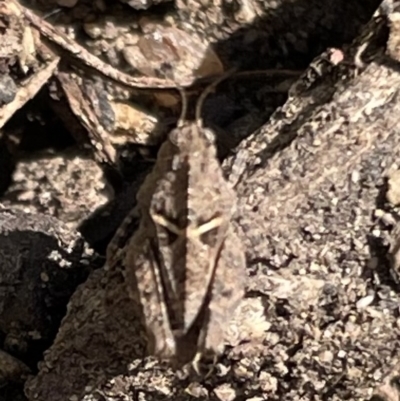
317	204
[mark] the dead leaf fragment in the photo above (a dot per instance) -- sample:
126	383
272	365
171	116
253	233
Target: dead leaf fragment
27	91
85	111
28	51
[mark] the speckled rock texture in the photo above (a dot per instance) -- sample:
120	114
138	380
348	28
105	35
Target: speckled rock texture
67	185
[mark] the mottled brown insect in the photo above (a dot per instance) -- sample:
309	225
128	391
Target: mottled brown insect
185	264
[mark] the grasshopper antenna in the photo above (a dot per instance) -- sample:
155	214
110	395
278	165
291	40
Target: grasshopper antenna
206	92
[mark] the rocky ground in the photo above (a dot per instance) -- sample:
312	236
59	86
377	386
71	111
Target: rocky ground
314	153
